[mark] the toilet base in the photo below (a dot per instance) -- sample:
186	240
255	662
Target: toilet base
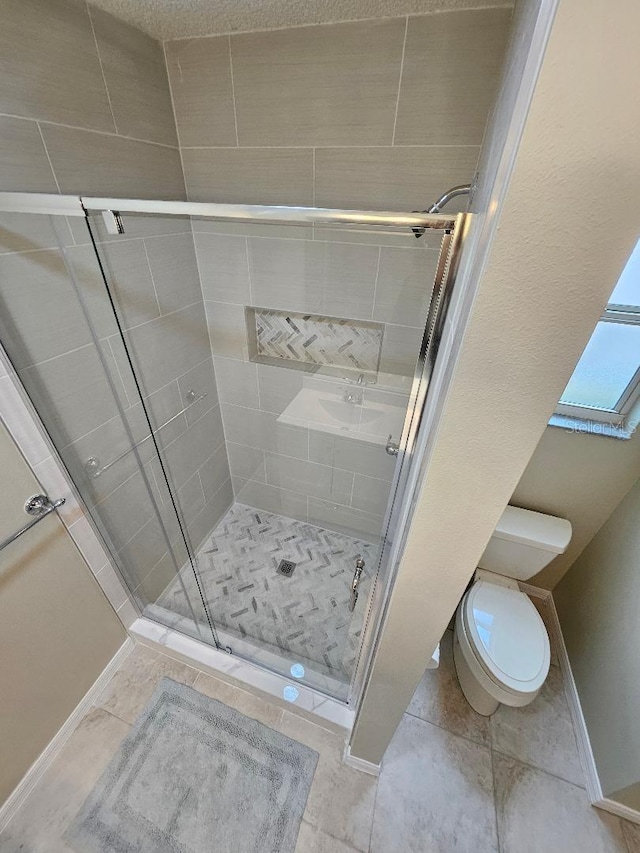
479	699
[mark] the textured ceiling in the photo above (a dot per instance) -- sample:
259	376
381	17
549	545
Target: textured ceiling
169	19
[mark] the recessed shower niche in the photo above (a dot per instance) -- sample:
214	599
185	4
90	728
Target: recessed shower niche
311	342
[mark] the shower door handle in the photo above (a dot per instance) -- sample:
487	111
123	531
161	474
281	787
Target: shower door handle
355	583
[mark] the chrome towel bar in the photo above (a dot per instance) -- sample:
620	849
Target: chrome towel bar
39	506
92	466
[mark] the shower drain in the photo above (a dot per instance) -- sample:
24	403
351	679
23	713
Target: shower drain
286	568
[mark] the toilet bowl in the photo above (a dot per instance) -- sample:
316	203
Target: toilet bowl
501	646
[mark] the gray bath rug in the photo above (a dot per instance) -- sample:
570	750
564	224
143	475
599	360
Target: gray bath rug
194	776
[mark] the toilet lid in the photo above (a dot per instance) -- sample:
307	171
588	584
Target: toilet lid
508	635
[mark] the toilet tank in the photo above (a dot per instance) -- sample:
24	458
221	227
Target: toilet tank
524	542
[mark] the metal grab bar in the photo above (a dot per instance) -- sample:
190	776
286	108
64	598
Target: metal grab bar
40	506
92	466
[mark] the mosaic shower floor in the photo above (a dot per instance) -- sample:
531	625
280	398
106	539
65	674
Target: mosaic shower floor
304	616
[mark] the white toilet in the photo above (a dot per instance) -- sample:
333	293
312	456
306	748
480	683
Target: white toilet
501	646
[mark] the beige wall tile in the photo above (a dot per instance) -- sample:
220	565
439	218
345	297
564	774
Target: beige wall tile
157	580
343	519
336	279
350	454
400	348
60	387
246	463
169	346
202	380
201	526
127	269
189	451
405	284
270	498
375	236
142	552
200	76
224	268
237	382
98	164
227	330
390	178
50	65
278	386
24	166
214	472
325	85
262	431
252	229
175	271
126	510
20	232
450	76
308	478
41	317
249	175
370	495
136	76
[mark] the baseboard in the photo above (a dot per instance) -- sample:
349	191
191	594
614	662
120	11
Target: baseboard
360	763
50	752
587	760
594	789
535	591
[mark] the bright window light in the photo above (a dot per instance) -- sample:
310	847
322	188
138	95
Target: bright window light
606	381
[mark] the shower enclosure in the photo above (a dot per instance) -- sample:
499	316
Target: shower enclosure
235	392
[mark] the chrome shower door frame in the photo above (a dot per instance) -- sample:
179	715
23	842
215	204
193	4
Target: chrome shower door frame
402	493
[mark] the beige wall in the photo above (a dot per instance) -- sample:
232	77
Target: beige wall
598	602
57	630
547	279
579	477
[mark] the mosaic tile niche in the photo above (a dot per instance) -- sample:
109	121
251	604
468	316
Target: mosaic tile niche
309	341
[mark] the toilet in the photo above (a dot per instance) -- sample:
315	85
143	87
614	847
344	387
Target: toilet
501	647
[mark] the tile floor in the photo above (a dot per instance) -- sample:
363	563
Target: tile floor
451	781
304	617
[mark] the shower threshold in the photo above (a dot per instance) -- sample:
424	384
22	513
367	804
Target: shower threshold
297	623
254	677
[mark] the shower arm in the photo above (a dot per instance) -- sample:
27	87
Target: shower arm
445	198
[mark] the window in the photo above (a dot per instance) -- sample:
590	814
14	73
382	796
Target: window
606	382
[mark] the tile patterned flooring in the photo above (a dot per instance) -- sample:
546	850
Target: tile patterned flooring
305	616
451	781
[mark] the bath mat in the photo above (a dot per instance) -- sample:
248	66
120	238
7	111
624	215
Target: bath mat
194	775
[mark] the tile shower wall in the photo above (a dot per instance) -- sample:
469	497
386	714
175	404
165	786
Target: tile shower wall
85	107
383	114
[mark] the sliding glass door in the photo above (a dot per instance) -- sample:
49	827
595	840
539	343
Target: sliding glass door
236	402
62	333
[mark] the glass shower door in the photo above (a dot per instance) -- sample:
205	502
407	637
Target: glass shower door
59	329
289	352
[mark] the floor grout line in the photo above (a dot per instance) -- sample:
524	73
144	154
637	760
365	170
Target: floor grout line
531	766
